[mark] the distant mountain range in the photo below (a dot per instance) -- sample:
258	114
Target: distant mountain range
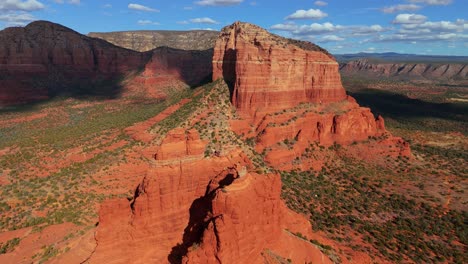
399	57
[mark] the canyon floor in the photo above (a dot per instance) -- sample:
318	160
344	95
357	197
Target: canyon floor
62	158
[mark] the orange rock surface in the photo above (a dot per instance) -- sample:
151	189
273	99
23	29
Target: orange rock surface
268	73
247	218
289	91
149	228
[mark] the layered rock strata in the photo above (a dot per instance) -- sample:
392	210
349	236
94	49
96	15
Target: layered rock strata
289	95
269	73
187	205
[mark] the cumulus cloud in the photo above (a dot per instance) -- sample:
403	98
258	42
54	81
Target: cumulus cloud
17	19
366	30
400	8
409	19
327	28
147	23
218	2
203	20
331	38
138	7
432	2
20	5
320	3
307	14
74	2
428	31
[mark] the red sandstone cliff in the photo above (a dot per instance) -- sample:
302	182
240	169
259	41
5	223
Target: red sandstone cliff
269	73
187	202
290	91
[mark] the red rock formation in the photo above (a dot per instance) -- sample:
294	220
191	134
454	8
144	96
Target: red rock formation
248	218
269	73
44	59
290	91
155	225
179	144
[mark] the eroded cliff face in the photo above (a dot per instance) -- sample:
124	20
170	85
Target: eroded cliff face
193	209
290	97
402	71
269	73
247	220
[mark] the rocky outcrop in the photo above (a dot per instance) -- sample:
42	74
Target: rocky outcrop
146	40
269	73
290	95
180	144
405	71
193	209
247	218
163	218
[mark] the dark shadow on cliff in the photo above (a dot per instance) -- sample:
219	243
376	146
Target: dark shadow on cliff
229	70
415	113
200	211
195	67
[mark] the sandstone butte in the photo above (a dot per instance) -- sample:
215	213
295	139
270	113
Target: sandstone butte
45	59
195	209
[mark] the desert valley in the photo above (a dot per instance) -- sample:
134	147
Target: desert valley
238	146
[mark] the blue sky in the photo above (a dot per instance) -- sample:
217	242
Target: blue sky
341	26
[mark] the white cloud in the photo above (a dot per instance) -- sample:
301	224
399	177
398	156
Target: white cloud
409	19
365	30
203	20
399	8
185	22
320	3
188	8
74	2
330	38
218	2
20	5
432	2
16	19
147	23
307	14
285	27
141	8
459	25
317	28
107	6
